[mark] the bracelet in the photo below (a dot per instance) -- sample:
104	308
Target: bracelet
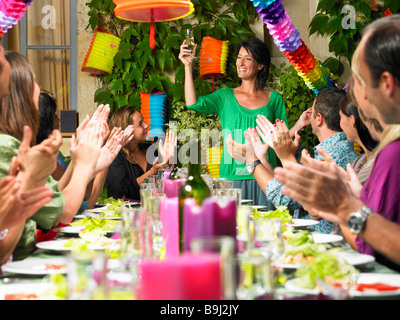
151	169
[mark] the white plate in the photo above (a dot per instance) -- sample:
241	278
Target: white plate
326	238
390	279
39	289
36	266
355	258
75	230
352	258
291	285
303	222
95	210
97	216
255	206
246	200
58	245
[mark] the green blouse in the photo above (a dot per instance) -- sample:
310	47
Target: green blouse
235	119
44	217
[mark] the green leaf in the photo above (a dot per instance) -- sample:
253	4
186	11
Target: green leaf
101	95
227	20
319	21
332	64
116	85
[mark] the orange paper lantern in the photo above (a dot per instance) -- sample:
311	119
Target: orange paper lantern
152	11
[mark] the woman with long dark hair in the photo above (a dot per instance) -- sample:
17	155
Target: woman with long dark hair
238	109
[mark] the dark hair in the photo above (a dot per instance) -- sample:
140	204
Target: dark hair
382	48
364	119
47	110
348	108
261	54
327	104
18	108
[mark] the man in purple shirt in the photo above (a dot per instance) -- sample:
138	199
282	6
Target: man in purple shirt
377	79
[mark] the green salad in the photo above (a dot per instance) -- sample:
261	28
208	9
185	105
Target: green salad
281	212
112	210
325	266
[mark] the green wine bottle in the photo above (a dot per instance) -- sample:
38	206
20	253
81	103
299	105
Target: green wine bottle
193	187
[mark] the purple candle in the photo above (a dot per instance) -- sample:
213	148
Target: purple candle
209	219
171	187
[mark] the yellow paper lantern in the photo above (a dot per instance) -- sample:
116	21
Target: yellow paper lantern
100	57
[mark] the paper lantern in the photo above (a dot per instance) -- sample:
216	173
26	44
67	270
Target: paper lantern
213	58
214	155
152	11
11	11
100	57
152	109
287	38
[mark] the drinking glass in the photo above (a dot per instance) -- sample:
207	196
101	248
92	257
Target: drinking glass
189	38
134	234
112	281
225	247
255	280
157	240
268	237
231	193
80	273
145	194
219	184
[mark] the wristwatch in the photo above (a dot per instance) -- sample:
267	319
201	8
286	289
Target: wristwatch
251	166
356	221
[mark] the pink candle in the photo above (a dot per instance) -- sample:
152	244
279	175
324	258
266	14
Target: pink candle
169	211
171	187
186	277
166	174
209	219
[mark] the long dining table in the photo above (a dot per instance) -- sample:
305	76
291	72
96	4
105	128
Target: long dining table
280	289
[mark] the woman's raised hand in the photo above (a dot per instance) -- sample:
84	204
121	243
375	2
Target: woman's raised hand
186	55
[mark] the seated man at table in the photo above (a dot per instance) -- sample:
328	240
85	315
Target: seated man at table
324	119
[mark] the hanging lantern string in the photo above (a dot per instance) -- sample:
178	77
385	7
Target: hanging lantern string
213	83
152	32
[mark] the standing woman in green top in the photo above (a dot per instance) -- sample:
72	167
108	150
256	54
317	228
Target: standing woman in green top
238	108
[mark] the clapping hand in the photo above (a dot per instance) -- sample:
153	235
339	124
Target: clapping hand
241	152
38	162
128	135
236	149
87	151
266	130
260	149
99	117
110	150
167	149
278	137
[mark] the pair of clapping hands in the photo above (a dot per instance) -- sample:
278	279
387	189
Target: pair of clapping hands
94	144
276	136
